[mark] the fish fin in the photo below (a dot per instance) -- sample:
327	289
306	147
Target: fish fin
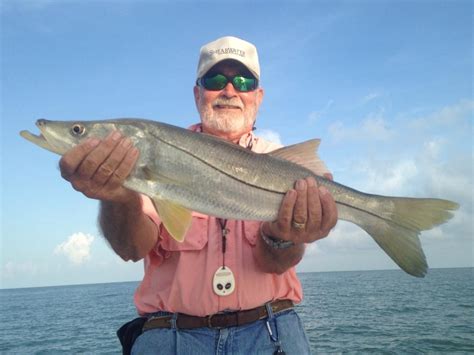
162	179
148	173
304	154
395	224
176	218
400	243
416	213
151	175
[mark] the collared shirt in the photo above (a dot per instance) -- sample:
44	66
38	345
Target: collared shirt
178	276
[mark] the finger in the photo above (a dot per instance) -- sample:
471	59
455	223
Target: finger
71	160
282	225
328	176
300	210
124	169
89	165
112	162
329	211
79	184
314	206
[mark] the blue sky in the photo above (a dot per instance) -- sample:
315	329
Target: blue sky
387	85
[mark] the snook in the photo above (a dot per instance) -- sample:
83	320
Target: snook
182	171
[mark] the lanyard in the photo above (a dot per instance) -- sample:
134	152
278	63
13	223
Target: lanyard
223	222
224	232
223	282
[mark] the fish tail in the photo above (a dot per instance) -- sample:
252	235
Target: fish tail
395	224
419	213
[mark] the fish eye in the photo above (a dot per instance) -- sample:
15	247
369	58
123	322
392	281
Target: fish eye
78	129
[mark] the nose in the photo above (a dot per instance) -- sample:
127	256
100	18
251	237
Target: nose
229	90
41	122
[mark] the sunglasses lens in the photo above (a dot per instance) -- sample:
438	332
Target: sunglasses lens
244	84
219	81
216	82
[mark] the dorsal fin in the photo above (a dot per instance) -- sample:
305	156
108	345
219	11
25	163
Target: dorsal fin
304	154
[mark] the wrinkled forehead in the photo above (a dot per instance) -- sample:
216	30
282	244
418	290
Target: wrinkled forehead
230	67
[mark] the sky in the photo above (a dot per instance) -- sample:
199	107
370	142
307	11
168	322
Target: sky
386	85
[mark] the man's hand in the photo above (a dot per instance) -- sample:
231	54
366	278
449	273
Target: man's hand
98	168
307	213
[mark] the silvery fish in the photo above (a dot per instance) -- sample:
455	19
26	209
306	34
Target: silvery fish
184	171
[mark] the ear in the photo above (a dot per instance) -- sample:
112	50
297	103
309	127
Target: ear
259	93
197	96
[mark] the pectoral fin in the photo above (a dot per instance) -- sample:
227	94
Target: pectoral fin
176	218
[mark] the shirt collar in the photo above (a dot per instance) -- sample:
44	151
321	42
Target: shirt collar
246	140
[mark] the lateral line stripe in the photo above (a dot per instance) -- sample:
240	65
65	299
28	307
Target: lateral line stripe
214	167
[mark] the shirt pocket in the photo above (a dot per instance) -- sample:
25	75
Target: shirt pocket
196	238
251	230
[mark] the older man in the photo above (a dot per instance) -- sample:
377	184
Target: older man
231	285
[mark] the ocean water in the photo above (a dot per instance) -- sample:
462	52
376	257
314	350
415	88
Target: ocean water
343	312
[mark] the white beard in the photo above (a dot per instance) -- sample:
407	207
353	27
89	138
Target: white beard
228	121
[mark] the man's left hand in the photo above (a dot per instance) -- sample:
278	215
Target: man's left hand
307	213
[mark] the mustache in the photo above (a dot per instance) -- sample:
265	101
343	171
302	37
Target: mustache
227	102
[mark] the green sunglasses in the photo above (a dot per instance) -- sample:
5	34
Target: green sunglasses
219	82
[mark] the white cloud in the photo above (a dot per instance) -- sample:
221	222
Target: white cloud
13	269
374	127
312	249
450	179
347	236
314	116
429	158
431	170
456	115
338	131
77	248
432	148
370	97
270	135
389	176
426	173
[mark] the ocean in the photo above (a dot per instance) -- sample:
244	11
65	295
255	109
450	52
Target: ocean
343	312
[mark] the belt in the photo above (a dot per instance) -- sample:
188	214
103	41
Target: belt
218	320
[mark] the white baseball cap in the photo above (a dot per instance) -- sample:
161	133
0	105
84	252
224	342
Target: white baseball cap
228	48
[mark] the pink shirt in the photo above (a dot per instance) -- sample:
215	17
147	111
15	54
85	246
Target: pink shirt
178	276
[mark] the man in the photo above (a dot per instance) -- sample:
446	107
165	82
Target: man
231	285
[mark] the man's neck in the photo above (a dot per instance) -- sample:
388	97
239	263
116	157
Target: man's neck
232	137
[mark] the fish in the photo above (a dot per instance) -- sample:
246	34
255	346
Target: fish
184	171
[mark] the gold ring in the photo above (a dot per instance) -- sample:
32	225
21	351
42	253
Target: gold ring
297	225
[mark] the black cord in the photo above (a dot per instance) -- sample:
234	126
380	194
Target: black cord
224	231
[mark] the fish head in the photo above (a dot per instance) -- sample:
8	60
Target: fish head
60	136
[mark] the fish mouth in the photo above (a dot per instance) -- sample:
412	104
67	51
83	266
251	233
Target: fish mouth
40	140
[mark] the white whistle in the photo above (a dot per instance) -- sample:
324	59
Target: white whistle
223	282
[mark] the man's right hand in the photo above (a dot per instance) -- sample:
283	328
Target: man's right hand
98	168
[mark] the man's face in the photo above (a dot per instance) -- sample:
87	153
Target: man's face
228	113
